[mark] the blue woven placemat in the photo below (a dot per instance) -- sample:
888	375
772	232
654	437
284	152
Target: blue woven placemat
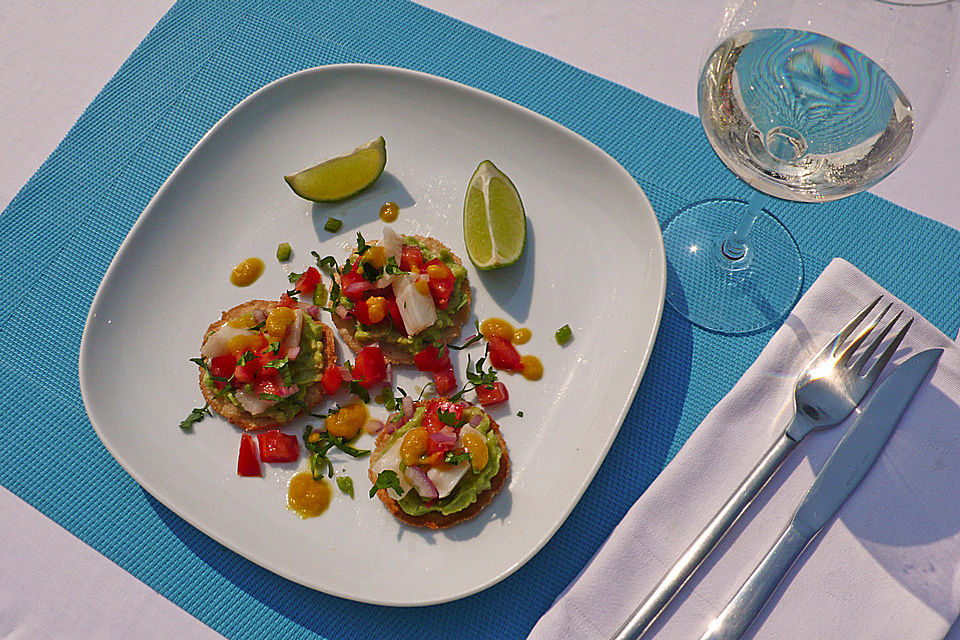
61	231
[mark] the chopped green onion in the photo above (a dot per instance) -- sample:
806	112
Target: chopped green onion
563	334
519	414
333	225
284	251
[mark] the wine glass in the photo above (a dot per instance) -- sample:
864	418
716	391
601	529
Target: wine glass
804	100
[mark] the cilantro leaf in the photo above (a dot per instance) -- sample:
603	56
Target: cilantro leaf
386	480
456	458
195	416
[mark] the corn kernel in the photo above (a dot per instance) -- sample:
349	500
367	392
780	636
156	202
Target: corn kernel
314	437
376	308
423	287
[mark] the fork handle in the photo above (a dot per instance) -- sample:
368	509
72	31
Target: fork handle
661	595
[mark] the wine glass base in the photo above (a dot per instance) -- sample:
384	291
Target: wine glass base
724	295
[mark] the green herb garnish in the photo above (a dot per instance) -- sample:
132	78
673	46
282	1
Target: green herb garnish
386	480
456	458
346	484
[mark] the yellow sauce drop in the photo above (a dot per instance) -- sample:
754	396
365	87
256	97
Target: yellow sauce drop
532	367
346	422
503	329
496	327
247	272
521	336
389	211
308	497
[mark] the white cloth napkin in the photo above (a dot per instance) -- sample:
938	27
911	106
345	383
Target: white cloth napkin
888	564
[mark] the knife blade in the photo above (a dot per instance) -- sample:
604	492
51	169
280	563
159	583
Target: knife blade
846	466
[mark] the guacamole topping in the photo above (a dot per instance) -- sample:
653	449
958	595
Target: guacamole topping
470	486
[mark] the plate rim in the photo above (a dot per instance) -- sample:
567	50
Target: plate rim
172	503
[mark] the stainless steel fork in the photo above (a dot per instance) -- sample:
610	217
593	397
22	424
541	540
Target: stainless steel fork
827	391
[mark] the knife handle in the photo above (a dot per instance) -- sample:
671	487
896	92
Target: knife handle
683	568
743	609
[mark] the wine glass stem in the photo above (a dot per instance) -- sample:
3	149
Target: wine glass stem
734	245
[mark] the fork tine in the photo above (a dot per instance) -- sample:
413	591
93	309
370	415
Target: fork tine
868	352
887	353
848	351
842	335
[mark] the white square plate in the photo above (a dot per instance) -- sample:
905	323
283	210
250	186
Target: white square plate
594	260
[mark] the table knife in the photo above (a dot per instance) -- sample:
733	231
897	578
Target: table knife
844	469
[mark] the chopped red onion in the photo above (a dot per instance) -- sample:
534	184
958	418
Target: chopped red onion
259	315
393	423
313	311
421	483
407	407
443	436
373	426
345	372
476	420
293	352
342	311
284	392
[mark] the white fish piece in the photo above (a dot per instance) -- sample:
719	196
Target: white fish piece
392	243
216	344
416	309
390	460
446	480
252	402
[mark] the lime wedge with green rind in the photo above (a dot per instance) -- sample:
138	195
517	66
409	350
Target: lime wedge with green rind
341	177
494	223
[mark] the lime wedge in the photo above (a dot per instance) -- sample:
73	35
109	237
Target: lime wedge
494	224
341	177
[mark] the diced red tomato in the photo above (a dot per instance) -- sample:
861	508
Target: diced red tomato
361	312
395	316
436	406
440	287
503	355
287	301
445	380
410	257
247	463
492	394
222	367
370	368
429	359
244	373
354	285
276	446
331	380
308	281
268	381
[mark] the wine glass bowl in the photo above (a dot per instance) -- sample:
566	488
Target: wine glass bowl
807	101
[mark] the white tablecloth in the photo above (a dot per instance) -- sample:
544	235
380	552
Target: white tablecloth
58	55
